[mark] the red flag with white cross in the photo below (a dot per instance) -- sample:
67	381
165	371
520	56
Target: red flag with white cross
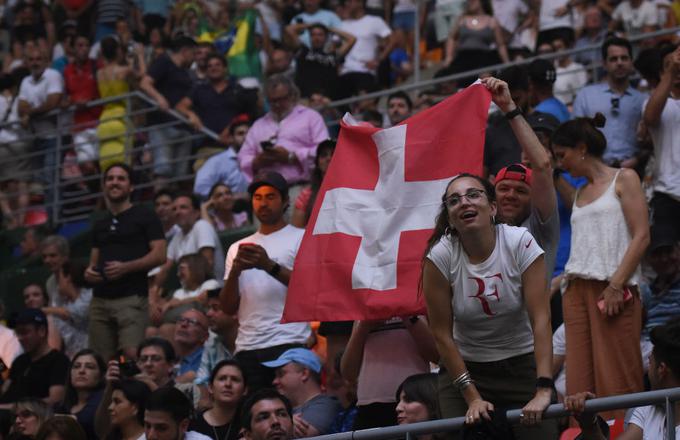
361	253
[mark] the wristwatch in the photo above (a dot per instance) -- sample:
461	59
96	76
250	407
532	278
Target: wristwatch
513	113
274	271
545	382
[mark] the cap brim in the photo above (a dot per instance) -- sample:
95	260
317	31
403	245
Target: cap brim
276	363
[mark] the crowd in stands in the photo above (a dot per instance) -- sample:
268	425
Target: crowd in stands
563	253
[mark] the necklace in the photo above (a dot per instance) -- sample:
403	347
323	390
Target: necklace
475	22
226	436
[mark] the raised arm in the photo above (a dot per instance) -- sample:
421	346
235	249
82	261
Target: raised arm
348	41
652	113
543	196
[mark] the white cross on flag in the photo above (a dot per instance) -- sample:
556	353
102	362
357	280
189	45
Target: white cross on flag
360	255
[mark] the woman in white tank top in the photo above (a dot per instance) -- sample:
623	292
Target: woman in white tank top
610	232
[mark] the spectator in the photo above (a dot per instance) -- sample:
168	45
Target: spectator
661	296
61	428
191	333
228	385
10	348
195	280
108	13
373	46
29	415
311	14
125	245
305	201
610	232
645	421
215	102
120	416
155	358
84	389
618	101
151	14
280	62
114	78
418	400
316	68
267	414
519	334
515	20
195	236
542	77
39	94
298	377
29	246
257	271
167	416
40	372
283	140
55	252
594	32
80	84
635	17
71	308
199	69
405	344
162	203
554	21
167	82
661	115
220	345
475	41
219	209
570	75
224	167
35	297
399	107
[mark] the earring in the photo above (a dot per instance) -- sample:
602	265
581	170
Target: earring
447	231
493	219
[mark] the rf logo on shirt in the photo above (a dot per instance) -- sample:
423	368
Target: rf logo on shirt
488	283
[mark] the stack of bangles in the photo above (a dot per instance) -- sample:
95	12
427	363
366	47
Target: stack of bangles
463	381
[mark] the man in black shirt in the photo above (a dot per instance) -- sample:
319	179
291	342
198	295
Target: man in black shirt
126	244
317	67
215	103
167	81
40	372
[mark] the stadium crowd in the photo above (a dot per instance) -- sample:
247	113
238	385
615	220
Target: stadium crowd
573	224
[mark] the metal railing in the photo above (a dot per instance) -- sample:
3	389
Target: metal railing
137	105
419	85
665	397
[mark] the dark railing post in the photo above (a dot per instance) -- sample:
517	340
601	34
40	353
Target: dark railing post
56	173
670	419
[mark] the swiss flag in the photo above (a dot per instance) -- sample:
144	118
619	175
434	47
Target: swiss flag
361	253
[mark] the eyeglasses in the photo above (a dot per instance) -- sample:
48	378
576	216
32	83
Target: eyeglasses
191	321
616	102
472	196
152	358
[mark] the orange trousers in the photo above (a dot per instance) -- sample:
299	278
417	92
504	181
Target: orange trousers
603	353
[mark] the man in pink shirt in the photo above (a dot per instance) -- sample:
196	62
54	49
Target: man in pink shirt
285	139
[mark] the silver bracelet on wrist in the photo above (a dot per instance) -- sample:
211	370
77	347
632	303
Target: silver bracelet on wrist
463	381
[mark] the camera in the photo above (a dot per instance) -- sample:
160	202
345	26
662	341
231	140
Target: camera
267	145
128	368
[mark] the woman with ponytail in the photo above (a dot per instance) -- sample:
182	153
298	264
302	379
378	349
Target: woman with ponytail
485	288
610	232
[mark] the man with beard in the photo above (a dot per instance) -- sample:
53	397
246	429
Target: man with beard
257	272
125	245
399	107
267	415
618	101
167	416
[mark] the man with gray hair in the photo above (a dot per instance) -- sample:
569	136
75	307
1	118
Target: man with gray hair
285	139
55	252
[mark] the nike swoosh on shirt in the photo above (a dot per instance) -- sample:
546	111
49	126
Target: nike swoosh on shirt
528	244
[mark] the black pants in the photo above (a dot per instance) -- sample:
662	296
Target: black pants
665	215
376	415
260	376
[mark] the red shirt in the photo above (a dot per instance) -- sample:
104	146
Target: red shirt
81	86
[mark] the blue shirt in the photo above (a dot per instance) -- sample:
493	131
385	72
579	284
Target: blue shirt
222	167
623	113
661	307
565	225
190	362
555	107
323	16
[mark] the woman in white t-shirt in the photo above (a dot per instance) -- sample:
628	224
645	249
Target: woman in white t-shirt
489	311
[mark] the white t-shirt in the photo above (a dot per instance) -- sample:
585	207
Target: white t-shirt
509	12
635	19
490	322
666	137
569	81
548	20
35	93
652	420
368	30
201	235
263	296
182	293
10	347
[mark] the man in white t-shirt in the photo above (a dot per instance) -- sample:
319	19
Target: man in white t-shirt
373	46
554	21
635	16
195	236
646	422
257	272
662	116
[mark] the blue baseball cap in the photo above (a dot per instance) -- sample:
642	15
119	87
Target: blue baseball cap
301	356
